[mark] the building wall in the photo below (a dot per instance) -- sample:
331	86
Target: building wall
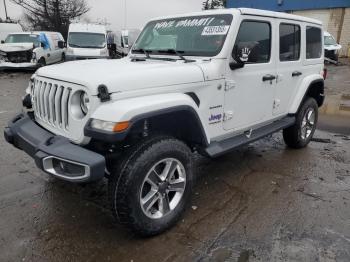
336	21
345	34
288	5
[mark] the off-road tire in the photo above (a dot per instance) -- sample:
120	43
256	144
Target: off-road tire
293	135
127	177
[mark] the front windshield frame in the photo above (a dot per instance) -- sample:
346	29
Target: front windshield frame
228	18
23	38
86	35
329	40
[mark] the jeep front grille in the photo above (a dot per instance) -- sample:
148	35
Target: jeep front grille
50	102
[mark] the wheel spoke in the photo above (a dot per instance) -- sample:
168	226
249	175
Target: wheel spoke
169	170
303	132
150	199
154	178
178	186
303	123
311	117
164	205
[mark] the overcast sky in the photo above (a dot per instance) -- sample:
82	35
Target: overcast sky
138	11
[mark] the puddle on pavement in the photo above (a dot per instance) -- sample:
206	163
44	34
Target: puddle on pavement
335	114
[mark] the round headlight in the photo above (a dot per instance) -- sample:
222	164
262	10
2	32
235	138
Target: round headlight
84	102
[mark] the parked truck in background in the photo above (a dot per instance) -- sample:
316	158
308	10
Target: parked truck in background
125	40
31	50
88	41
7	28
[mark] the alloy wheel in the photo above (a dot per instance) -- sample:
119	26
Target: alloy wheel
163	188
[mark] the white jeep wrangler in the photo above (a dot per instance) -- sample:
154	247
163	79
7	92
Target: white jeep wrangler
205	82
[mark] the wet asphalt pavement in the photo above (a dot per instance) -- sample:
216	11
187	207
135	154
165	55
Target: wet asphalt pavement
264	202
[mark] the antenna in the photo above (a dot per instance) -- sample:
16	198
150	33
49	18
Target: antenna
125	14
5	10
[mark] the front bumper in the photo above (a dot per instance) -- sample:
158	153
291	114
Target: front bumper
10	65
53	154
77	57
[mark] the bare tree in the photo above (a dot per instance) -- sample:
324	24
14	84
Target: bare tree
52	15
214	4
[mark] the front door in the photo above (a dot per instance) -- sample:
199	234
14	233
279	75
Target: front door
249	91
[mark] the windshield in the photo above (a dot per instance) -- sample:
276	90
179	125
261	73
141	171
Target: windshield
329	40
192	36
87	40
23	38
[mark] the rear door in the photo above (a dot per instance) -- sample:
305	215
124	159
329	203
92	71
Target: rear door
249	91
289	64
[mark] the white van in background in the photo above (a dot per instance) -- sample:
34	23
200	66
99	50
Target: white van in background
7	28
31	49
125	40
331	47
87	41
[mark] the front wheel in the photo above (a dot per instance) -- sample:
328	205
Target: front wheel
300	134
151	187
41	62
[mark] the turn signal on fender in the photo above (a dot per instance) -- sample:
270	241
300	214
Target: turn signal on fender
121	126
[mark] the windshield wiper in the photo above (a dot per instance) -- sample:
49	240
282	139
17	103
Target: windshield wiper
142	51
176	52
74	45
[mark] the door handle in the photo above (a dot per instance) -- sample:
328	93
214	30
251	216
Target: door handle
296	73
268	78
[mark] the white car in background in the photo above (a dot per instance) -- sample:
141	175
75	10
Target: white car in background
31	50
331	47
87	41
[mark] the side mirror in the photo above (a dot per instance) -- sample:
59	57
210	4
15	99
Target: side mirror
60	44
2	42
237	63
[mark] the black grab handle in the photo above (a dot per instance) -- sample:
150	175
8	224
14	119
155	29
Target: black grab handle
268	78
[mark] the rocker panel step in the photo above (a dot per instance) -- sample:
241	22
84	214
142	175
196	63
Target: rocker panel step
218	148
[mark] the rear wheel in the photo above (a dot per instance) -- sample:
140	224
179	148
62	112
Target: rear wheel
300	134
150	188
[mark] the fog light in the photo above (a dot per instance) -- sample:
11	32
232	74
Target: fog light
66	168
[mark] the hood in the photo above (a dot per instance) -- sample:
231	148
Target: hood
15	47
332	47
123	74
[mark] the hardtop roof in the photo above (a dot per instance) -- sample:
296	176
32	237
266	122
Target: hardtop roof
244	11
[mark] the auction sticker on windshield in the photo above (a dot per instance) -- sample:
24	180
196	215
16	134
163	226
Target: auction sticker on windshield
216	30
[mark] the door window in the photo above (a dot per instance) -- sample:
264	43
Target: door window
253	43
289	42
313	42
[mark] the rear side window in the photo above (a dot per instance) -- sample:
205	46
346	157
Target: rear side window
289	42
253	43
313	42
